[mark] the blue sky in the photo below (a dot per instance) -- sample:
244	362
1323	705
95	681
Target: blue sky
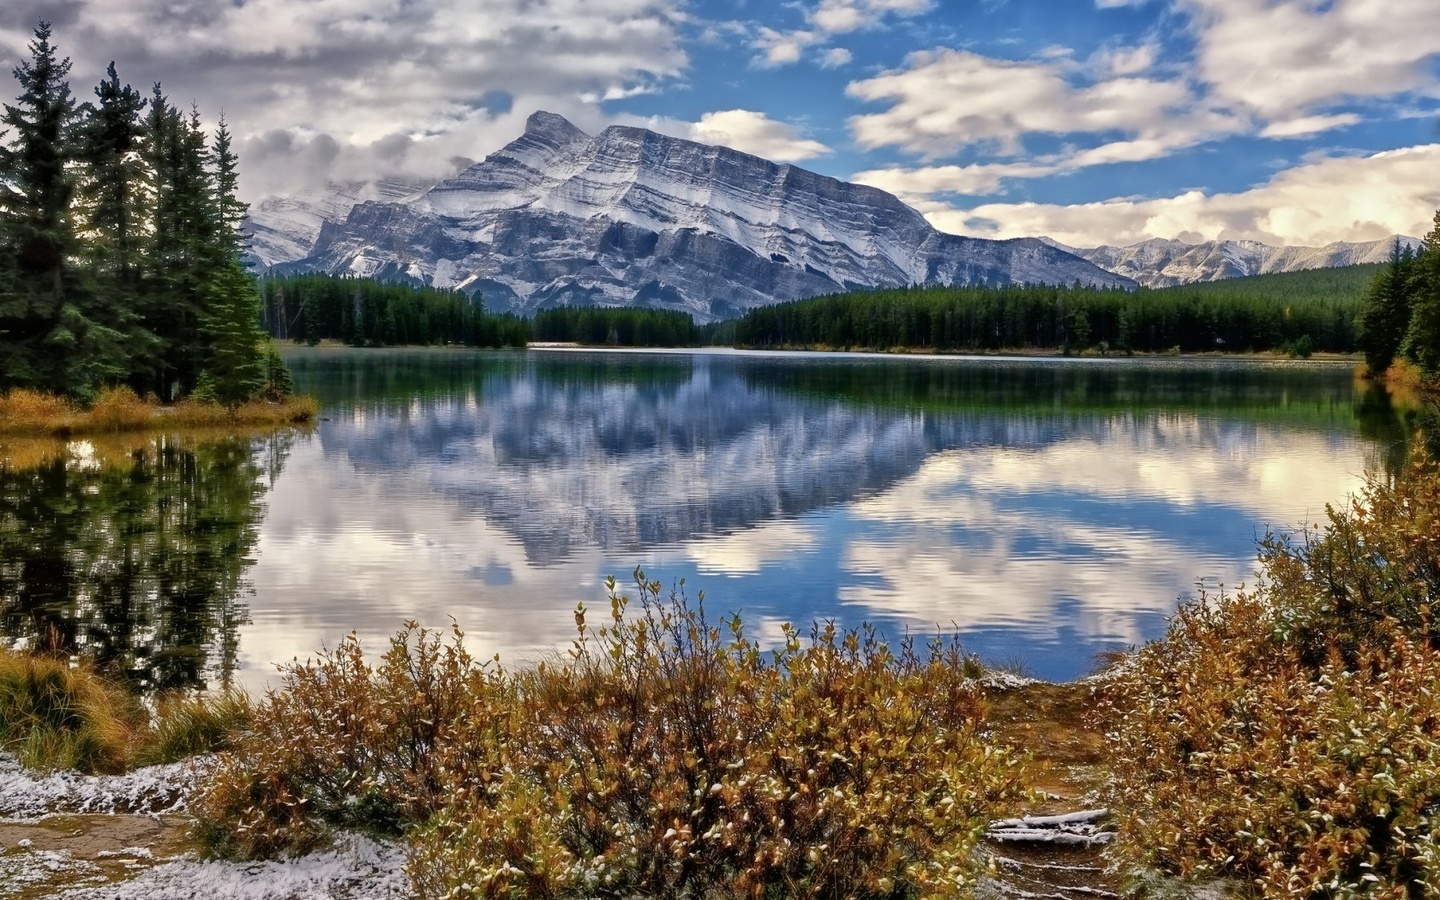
1092	121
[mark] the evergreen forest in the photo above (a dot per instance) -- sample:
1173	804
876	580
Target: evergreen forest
362	312
1271	312
120	244
1401	316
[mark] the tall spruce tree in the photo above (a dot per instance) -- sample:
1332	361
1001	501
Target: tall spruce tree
1422	341
58	334
1385	318
235	366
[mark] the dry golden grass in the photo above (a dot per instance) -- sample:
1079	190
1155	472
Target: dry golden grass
61	714
55	715
27	412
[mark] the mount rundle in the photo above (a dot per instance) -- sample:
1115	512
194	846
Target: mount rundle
632	217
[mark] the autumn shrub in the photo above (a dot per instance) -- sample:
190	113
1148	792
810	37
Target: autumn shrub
671	756
118	409
664	755
1290	736
346	743
57	715
25	410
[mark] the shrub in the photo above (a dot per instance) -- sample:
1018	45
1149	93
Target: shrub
57	716
666	755
22	409
679	759
119	409
1290	736
344	743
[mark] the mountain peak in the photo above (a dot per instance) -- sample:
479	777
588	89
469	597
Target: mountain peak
632	217
553	126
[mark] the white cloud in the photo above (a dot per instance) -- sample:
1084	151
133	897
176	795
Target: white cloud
754	132
1308	125
442	73
944	100
1281	60
837	16
781	48
914	185
828	18
1323	200
1112	62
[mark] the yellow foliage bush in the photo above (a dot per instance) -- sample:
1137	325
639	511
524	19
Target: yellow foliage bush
666	755
22	409
1290	736
119	409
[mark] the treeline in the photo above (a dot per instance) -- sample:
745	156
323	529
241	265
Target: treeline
1401	315
120	244
961	319
365	313
616	326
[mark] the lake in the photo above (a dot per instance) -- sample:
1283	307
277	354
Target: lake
1047	509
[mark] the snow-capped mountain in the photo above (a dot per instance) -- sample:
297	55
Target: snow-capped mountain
633	217
282	229
1161	263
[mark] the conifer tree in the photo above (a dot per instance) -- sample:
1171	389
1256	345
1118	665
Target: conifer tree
57	334
110	148
1422	341
235	363
1386	315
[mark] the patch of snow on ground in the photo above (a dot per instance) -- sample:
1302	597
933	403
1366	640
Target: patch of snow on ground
31	867
357	868
1001	680
153	790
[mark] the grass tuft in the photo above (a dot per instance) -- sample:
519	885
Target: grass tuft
186	725
55	715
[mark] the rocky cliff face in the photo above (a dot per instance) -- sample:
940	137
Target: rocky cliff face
632	217
1161	263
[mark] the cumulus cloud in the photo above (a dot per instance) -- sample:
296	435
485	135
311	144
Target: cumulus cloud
1323	200
1281	60
744	130
1305	126
825	19
781	48
918	184
944	100
754	132
361	72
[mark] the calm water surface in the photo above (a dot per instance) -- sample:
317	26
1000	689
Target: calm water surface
1047	509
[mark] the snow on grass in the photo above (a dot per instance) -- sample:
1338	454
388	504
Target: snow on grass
153	790
356	868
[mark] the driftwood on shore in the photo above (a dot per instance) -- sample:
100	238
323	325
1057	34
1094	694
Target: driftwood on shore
1077	829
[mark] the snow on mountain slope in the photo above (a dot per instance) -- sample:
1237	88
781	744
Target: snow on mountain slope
285	228
632	217
1161	263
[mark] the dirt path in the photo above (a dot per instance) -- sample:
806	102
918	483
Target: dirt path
1048	721
42	859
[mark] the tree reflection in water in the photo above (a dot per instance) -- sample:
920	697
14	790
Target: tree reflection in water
134	551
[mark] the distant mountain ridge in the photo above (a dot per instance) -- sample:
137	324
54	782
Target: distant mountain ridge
634	217
1160	263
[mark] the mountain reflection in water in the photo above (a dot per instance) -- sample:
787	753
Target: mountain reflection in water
1047	509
